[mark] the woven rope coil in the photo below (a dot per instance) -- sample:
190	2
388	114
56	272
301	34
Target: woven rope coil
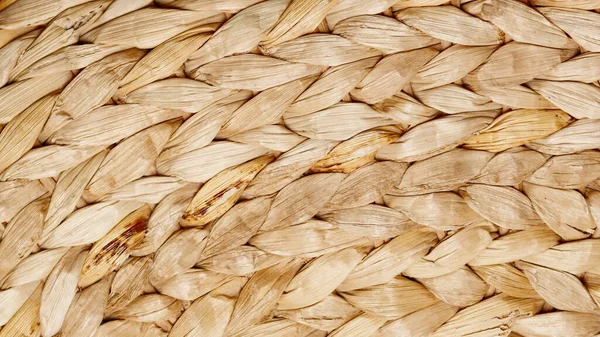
299	168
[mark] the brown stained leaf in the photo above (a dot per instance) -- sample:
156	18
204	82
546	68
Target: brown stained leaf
582	68
576	137
19	14
272	137
580	100
88	224
501	205
434	137
452	253
371	220
572	221
349	8
518	63
242	260
575	257
48	161
325	124
110	123
22	234
331	87
209	315
389	260
16	97
581	25
420	323
13	298
26	321
493	316
307	289
511	16
568	172
318	238
507	279
299	18
87	310
452	99
391	74
451	24
354	153
236	226
65	29
240	34
287	168
405	110
450	65
68	190
214	158
111	251
460	288
515	246
383	33
20	134
366	185
181	94
202	127
164	60
321	49
178	254
516	128
147	28
443	172
164	219
192	284
221	192
16	194
95	84
59	291
252	72
35	267
130	160
302	199
328	314
363	325
560	323
265	108
559	289
149	190
394	299
9	53
260	294
152	308
128	283
511	167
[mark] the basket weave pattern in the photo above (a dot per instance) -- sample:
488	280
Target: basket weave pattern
299	168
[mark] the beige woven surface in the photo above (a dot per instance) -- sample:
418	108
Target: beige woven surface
299	168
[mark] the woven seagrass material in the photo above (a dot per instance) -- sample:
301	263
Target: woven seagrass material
299	168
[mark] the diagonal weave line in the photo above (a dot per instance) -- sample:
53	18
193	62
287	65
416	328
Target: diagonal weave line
346	168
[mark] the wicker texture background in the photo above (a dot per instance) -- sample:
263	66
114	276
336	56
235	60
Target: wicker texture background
299	168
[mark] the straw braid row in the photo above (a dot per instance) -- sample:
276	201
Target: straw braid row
299	168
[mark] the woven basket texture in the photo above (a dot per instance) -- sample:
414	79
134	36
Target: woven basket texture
299	168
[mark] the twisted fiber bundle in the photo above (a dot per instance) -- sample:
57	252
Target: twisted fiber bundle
299	168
